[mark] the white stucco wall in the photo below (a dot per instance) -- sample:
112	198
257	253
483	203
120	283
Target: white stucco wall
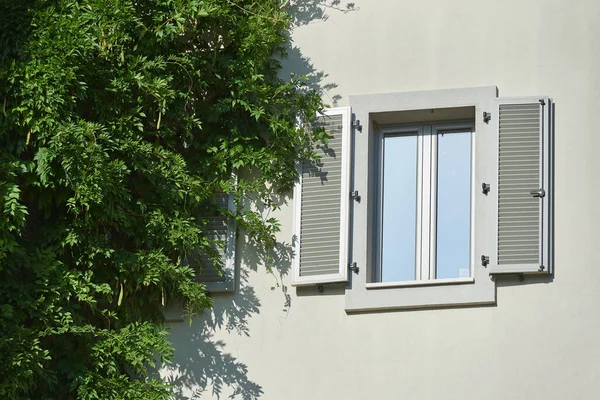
540	341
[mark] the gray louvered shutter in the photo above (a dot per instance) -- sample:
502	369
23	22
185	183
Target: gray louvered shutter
321	198
524	208
222	229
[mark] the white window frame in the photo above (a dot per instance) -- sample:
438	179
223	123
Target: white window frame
362	294
426	192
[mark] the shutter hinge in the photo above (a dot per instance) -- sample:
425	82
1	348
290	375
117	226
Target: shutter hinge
485	188
485	260
355	196
541	193
353	267
542	102
487	116
356	124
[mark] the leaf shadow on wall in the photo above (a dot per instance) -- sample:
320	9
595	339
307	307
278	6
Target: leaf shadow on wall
304	12
277	260
297	64
203	367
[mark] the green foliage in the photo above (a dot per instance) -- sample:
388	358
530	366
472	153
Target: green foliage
119	121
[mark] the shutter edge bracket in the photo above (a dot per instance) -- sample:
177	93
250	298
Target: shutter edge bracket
355	196
353	267
356	125
541	193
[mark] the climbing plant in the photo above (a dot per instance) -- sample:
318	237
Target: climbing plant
120	120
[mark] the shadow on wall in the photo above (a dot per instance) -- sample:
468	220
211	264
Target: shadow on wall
296	64
276	261
203	367
305	12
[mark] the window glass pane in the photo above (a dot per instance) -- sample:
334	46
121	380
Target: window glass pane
453	205
399	213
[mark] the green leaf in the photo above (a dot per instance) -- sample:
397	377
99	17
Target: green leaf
121	122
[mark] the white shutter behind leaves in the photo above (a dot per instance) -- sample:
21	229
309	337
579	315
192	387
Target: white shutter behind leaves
219	228
524	206
321	200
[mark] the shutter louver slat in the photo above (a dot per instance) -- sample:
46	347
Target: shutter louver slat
321	224
523	167
526	121
313	180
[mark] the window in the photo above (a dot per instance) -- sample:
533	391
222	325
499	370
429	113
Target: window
220	229
421	196
423	222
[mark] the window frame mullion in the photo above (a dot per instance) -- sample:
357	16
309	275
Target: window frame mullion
425	203
433	195
419	211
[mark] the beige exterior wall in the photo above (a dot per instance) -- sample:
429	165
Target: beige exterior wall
540	341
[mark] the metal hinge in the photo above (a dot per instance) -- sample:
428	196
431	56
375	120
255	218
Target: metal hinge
542	102
356	124
485	260
485	188
487	116
355	196
353	267
541	193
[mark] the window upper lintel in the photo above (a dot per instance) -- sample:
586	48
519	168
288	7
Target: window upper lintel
424	116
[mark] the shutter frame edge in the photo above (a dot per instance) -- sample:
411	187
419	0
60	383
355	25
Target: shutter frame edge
546	231
342	274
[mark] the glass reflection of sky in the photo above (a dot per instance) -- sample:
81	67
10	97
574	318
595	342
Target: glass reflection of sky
399	208
453	205
398	251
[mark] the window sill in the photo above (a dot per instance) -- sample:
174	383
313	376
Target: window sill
451	281
394	296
